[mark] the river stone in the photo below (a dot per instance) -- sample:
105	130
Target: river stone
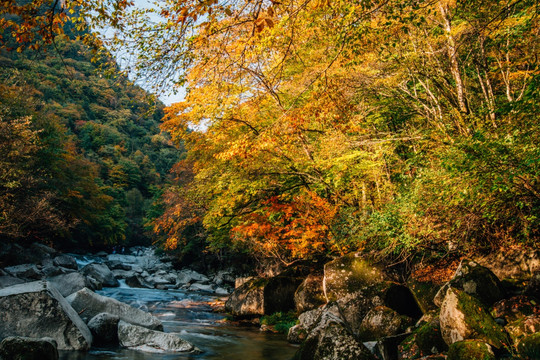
201	287
24	348
348	274
137	281
101	273
36	310
263	296
333	342
470	350
89	304
25	271
104	328
463	317
123	274
66	261
475	280
139	338
424	341
381	322
310	294
67	284
188	276
7	281
50	270
118	265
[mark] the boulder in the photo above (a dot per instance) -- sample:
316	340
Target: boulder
475	280
221	291
37	310
529	347
333	342
140	338
7	281
123	274
50	270
24	348
381	322
136	281
118	265
104	328
470	350
188	276
25	271
242	280
201	287
348	274
14	254
423	292
66	261
166	279
463	317
263	296
89	304
297	334
512	263
67	284
310	294
101	273
424	341
309	319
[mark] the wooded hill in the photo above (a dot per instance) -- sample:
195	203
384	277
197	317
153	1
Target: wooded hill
82	157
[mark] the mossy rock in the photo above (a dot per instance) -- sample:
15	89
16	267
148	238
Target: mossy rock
470	350
310	294
425	340
523	327
463	317
475	280
424	292
381	322
349	274
529	347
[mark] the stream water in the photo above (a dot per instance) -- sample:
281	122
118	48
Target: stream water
189	314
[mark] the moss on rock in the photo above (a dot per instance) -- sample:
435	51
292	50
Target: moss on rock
529	347
470	350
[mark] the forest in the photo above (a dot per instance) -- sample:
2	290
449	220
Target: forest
404	128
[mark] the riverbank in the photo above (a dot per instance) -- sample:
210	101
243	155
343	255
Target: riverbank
351	307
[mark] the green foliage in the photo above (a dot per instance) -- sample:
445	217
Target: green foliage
90	149
281	322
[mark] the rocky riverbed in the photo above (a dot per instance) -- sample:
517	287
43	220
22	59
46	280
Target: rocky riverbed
135	305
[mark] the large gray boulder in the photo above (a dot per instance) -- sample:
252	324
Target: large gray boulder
137	281
263	296
104	328
38	310
333	342
67	284
188	276
310	294
89	304
25	271
463	317
24	348
66	261
349	274
140	338
101	273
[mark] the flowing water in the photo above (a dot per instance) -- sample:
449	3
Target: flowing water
189	314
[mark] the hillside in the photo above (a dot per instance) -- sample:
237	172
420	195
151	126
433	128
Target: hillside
82	154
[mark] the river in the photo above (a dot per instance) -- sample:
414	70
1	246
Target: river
189	314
